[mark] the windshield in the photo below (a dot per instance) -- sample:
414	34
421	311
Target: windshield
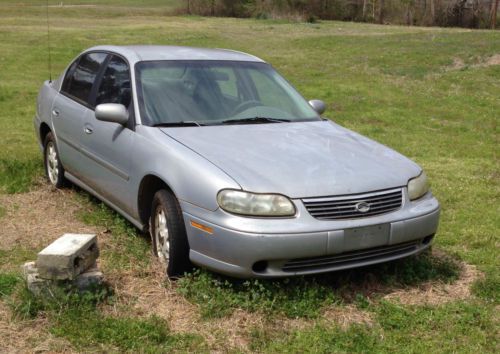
216	92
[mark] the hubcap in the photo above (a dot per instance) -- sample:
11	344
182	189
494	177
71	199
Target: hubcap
52	163
162	240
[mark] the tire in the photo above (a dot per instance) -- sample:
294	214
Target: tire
167	224
54	169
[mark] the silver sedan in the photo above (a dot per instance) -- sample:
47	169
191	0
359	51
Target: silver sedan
227	166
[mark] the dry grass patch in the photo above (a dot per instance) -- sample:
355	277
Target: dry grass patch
36	218
436	292
145	293
345	316
459	64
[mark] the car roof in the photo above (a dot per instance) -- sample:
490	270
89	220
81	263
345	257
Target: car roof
136	53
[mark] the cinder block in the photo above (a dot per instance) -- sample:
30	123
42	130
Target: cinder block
37	285
29	268
88	280
67	257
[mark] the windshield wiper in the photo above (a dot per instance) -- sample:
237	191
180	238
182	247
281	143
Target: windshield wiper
190	123
255	120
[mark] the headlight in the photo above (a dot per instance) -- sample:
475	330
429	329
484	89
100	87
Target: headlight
418	186
245	203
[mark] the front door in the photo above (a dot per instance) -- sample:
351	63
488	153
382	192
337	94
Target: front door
106	146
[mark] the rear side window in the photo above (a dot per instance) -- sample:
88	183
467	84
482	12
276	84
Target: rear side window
80	77
115	84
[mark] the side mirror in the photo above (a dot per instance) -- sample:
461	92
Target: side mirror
318	105
112	112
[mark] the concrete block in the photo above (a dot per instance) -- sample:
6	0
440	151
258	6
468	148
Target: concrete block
67	257
88	280
29	268
37	285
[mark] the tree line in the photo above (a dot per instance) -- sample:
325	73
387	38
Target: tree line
446	13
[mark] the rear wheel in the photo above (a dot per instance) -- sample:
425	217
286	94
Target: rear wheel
53	167
168	234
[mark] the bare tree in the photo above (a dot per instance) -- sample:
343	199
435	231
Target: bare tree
381	11
433	12
364	10
493	15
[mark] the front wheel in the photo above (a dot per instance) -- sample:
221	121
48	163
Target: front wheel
53	167
168	234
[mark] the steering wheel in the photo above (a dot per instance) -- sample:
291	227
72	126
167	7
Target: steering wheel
245	105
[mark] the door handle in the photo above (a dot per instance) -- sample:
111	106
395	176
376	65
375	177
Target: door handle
55	112
88	130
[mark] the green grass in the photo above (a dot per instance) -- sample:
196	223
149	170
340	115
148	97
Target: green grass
397	85
458	327
218	297
149	335
306	297
8	283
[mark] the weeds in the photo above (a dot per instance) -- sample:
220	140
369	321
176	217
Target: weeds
488	288
148	335
8	283
219	296
58	299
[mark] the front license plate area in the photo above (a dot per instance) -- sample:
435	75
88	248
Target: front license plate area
366	237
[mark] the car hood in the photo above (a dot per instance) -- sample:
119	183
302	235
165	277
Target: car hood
302	159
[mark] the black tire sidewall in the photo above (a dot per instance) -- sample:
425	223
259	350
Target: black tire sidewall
178	262
60	175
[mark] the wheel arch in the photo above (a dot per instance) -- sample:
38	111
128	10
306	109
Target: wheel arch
150	184
44	130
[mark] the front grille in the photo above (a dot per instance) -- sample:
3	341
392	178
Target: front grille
345	207
348	258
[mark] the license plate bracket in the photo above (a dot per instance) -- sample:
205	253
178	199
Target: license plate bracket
366	237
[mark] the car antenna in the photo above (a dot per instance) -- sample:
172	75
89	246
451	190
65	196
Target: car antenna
48	44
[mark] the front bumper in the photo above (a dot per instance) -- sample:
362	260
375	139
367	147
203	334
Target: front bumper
258	247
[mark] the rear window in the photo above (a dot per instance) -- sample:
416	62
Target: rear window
81	76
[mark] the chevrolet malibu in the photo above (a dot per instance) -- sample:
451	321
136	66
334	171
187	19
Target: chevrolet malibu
226	166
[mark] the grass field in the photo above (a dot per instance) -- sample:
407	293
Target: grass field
432	94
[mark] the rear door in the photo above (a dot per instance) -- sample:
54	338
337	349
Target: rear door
71	106
107	147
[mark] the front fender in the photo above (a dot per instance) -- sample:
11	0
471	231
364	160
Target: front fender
192	178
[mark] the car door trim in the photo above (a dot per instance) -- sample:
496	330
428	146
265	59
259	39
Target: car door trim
68	142
110	167
97	159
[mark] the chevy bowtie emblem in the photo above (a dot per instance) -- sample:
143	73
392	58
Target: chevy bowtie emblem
362	207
